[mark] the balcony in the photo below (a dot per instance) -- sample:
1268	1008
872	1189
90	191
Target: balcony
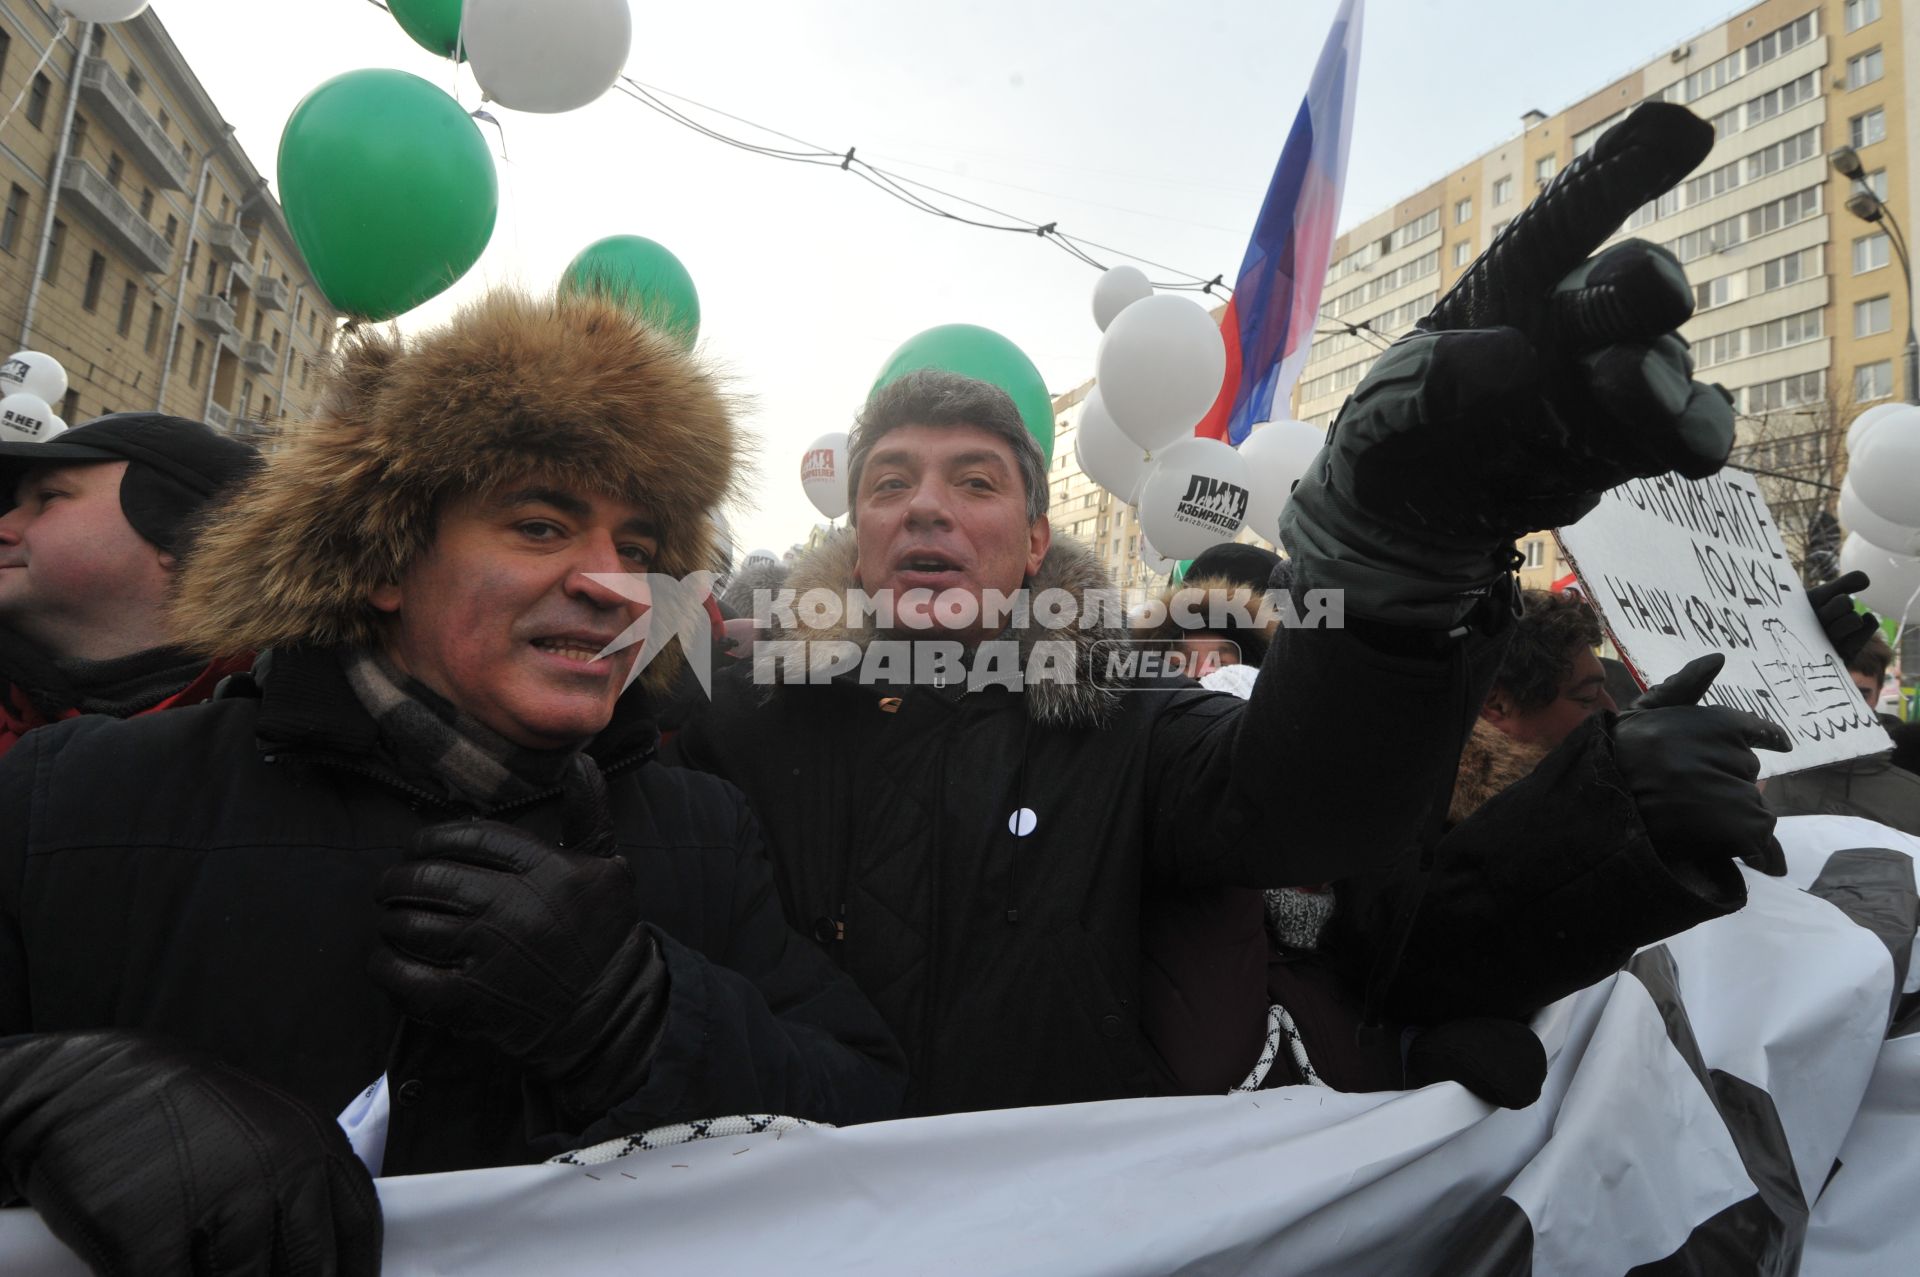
259	356
229	242
118	221
219	418
215	314
112	101
270	293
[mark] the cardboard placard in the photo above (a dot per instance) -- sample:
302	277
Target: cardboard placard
1678	568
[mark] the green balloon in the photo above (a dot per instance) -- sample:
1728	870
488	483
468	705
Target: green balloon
634	272
983	354
389	189
433	24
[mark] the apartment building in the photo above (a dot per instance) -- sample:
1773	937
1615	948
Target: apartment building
139	244
1801	307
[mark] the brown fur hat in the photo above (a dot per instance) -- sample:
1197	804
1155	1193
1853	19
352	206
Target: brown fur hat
573	392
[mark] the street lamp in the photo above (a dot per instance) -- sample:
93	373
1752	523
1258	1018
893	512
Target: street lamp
1869	207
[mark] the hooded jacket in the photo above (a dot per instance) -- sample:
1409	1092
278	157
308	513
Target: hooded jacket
32	695
210	874
979	860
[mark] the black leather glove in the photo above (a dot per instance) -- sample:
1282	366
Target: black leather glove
1845	628
492	933
147	1158
1501	1061
1540	380
1691	768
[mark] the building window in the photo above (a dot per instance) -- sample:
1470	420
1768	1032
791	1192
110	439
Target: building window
173	228
6	44
129	298
1864	68
70	406
1502	191
10	222
1875	181
1462	252
146	203
153	328
1872	316
97	44
115	167
1869	252
1873	381
193	257
179	331
1867	128
1543	169
55	243
1860	12
199	357
96	275
135	81
1497	228
1536	554
1462	210
1712	292
37	100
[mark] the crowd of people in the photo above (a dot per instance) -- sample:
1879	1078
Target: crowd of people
336	773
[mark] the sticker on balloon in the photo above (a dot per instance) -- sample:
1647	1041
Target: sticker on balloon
1215	504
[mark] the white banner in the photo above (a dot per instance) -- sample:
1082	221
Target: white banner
1697	1102
1680	568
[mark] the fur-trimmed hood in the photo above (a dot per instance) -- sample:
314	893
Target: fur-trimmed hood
1086	702
1489	763
575	392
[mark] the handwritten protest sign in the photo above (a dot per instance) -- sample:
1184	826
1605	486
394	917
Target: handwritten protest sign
1679	568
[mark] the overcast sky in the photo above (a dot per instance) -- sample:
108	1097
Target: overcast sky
1151	127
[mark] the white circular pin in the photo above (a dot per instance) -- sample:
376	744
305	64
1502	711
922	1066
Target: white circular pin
1021	822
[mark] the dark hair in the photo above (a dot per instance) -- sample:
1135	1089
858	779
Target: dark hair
934	397
1545	642
1873	659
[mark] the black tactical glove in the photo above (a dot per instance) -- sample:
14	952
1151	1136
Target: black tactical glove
146	1158
1845	628
1540	380
1691	768
492	933
1501	1061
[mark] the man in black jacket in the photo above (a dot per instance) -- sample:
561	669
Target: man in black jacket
975	848
425	843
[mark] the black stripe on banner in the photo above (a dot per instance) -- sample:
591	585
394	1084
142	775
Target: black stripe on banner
1499	1243
1763	1235
1874	886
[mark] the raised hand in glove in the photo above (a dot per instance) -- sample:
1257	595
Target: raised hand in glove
1691	767
1845	628
146	1158
491	933
1540	380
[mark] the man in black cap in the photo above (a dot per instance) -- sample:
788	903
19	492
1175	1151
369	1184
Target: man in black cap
94	522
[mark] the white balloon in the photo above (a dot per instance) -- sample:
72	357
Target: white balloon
823	473
1871	528
1277	455
1194	497
1118	288
1157	563
1885	472
103	10
761	556
1106	456
25	418
546	56
1160	367
1895	578
57	426
30	372
1857	432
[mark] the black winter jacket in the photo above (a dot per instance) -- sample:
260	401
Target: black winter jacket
1009	965
208	874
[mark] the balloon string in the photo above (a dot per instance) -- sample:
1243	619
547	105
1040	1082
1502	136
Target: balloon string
39	66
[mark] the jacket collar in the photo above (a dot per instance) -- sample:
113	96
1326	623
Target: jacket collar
1089	700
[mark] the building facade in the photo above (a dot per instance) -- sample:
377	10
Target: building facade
1800	307
139	245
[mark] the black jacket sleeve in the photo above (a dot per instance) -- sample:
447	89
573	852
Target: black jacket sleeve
1305	783
762	1023
1546	889
18	770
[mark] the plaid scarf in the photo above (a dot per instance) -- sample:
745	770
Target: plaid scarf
429	736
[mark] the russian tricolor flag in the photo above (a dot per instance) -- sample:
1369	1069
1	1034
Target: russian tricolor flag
1268	326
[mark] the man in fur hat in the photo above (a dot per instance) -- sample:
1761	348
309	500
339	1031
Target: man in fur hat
427	844
975	848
